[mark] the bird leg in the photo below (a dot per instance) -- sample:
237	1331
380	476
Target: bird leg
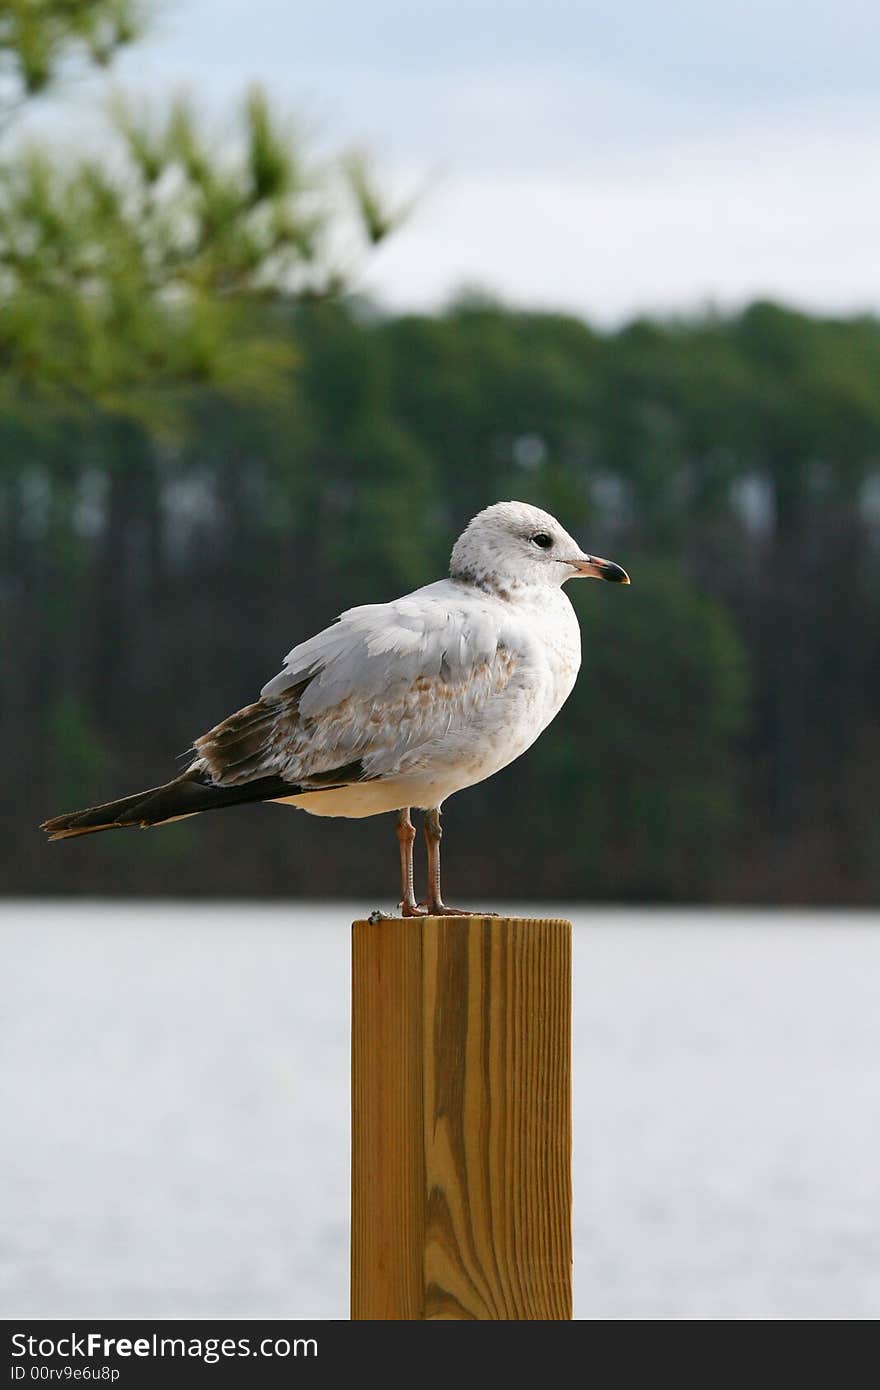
406	833
435	904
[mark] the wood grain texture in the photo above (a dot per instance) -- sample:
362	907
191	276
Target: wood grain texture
461	1119
387	1165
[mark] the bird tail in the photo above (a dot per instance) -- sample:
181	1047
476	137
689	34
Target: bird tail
187	795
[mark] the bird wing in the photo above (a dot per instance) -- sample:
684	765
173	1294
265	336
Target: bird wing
365	698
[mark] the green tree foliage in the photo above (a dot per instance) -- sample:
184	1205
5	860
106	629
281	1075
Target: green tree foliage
644	764
721	740
76	756
123	275
40	40
135	273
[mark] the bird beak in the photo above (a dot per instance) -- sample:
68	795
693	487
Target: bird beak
591	567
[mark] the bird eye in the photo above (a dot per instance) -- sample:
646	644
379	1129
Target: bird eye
542	540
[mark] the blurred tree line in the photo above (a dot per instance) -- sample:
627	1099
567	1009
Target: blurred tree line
722	740
208	449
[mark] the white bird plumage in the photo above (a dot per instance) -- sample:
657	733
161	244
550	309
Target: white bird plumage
402	704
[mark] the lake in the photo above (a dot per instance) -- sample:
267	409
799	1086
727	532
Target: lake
175	1096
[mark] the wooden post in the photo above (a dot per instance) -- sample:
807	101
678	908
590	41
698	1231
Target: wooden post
461	1118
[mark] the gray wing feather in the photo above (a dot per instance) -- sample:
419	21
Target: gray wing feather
361	699
382	648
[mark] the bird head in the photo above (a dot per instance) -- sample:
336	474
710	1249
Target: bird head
513	543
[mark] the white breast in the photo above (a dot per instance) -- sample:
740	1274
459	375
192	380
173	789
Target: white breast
515	694
543	632
538	630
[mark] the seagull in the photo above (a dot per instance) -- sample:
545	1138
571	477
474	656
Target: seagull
398	705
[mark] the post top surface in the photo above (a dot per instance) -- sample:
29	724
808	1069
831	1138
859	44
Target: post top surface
493	919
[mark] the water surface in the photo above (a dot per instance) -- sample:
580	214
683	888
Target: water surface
175	1094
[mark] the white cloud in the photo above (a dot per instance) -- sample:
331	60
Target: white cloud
797	220
603	158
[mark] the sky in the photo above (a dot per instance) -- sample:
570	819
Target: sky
605	158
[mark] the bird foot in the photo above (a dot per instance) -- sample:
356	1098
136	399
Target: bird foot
441	910
413	909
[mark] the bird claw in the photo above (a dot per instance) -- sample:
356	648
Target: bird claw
413	909
441	910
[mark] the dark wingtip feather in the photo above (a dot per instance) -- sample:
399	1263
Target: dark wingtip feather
67	832
187	795
93	818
